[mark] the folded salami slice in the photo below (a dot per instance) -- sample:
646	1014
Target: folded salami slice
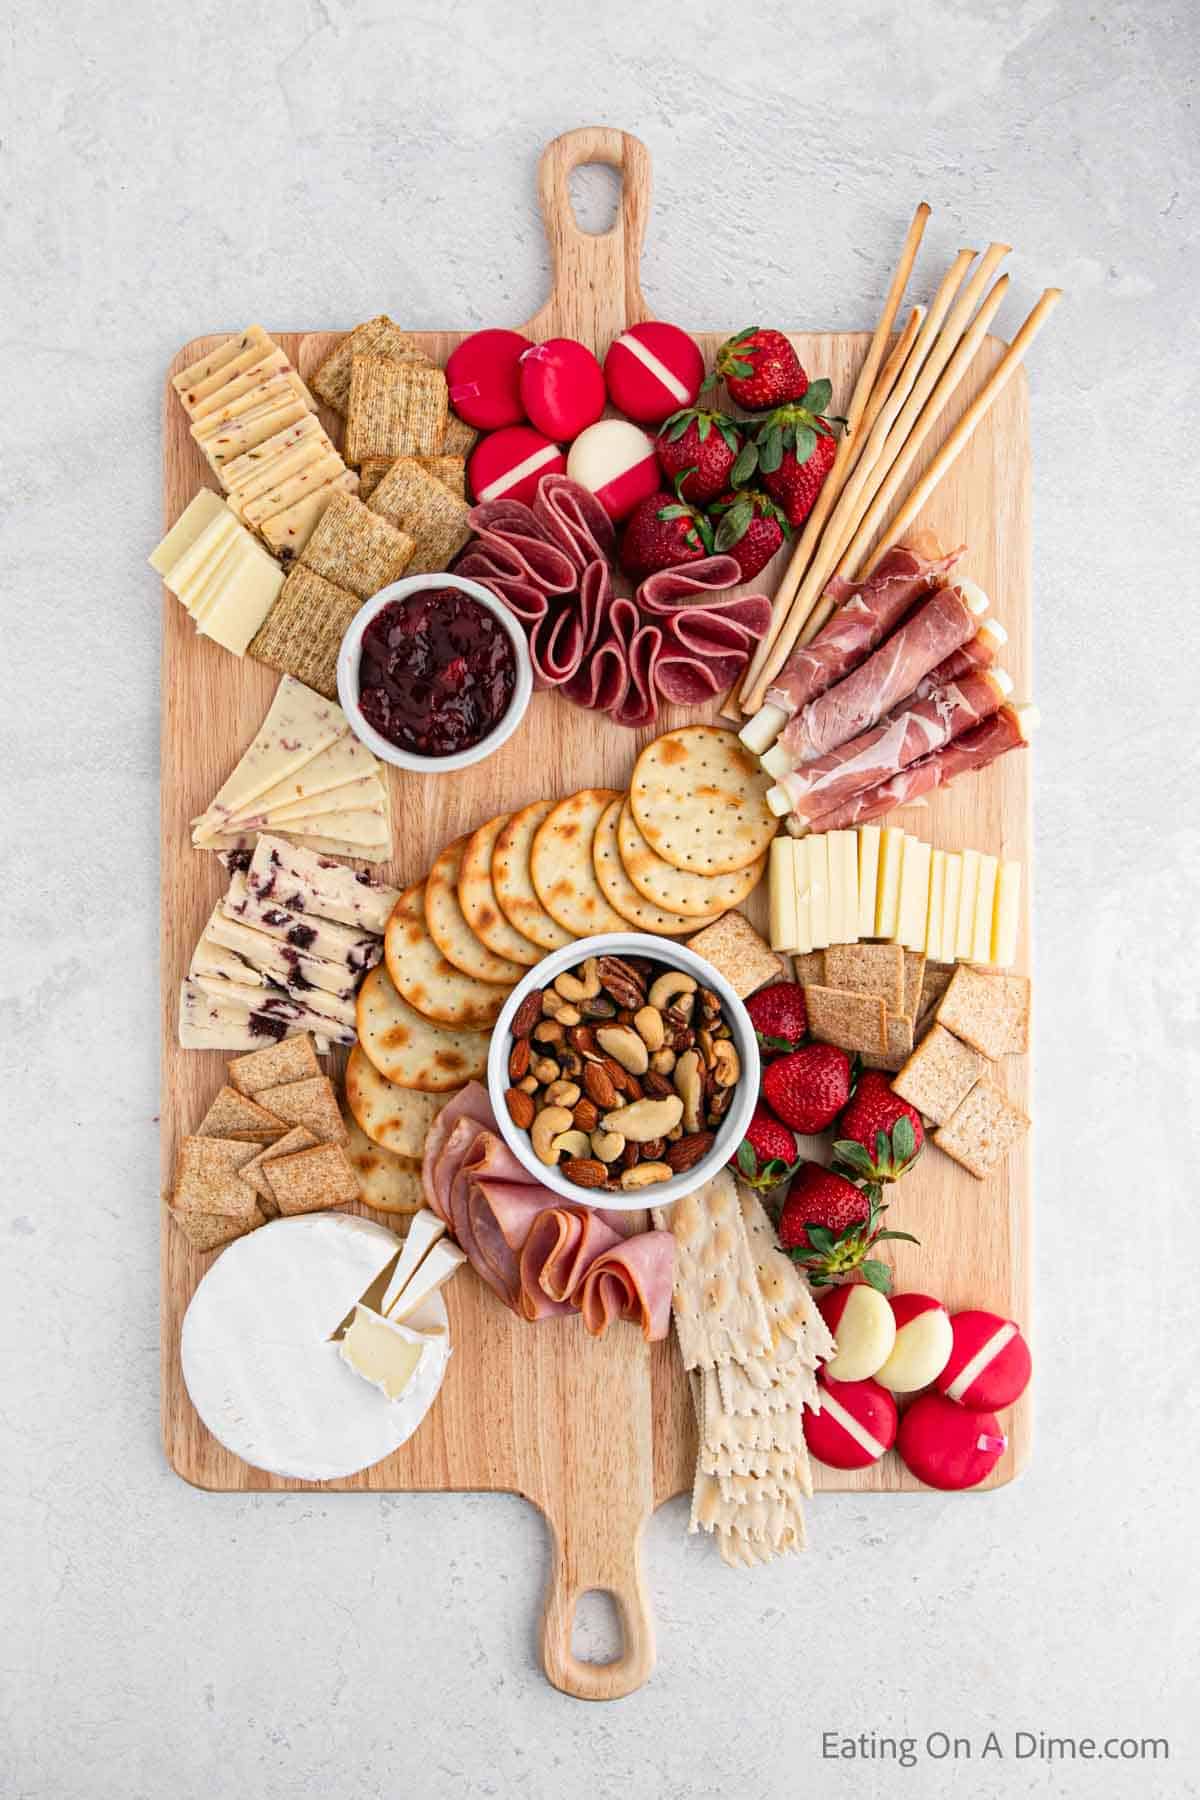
707	642
575	519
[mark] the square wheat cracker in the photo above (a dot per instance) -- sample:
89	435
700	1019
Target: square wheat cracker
371	472
851	1021
914	982
737	951
212	1231
460	438
206	1177
291	1059
982	1130
313	1180
396	409
866	969
310	1103
235	1116
381	336
414	501
809	967
899	1045
989	1012
451	471
356	549
939	1074
303	631
296	1139
938	977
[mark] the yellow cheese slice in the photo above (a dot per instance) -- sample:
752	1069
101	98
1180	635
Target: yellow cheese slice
843	887
272	391
913	910
265	363
245	433
199	512
293	460
818	889
196	380
200	556
891	855
945	949
288	532
279	499
985	902
1006	922
247	597
964	931
937	900
868	878
200	594
804	941
781	878
243	469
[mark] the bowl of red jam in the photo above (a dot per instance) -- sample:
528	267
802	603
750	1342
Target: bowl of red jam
434	673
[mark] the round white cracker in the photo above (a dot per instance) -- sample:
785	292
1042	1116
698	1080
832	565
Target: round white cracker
699	798
411	1050
449	929
620	892
477	897
421	975
396	1118
386	1182
560	864
514	887
700	898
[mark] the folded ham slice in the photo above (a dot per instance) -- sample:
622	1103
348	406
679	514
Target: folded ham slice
632	1281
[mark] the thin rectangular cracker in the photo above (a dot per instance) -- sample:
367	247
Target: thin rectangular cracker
790	1307
899	1045
290	1144
719	1310
311	1103
234	1116
989	1012
412	500
303	631
982	1130
395	408
357	549
867	968
938	977
291	1059
313	1180
851	1021
939	1074
740	953
381	336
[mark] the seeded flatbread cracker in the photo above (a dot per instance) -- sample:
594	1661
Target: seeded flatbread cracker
866	969
739	953
422	976
311	1103
395	408
206	1178
410	1050
313	1180
982	1130
233	1116
387	1182
449	929
357	549
303	631
291	1059
560	864
414	501
791	1310
296	1139
697	897
212	1231
719	1312
513	884
851	1021
477	897
460	438
939	1074
699	798
617	888
380	335
395	1118
989	1012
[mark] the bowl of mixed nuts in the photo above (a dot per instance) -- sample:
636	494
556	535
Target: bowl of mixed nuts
623	1071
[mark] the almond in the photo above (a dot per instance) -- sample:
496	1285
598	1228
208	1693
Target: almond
527	1014
587	1115
600	1086
657	1087
689	1150
584	1171
518	1061
521	1109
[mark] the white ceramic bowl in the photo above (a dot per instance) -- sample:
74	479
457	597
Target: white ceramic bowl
350	656
733	1126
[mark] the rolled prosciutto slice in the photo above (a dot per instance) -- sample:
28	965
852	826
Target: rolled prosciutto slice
940	625
1009	729
979	652
906	735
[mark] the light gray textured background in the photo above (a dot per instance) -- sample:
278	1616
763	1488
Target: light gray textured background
169	170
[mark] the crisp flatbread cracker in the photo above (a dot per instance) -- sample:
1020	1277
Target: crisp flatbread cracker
697	897
413	500
303	631
380	336
561	867
395	1118
982	1130
395	408
699	798
212	1231
450	931
513	883
477	897
296	1139
387	1182
989	1012
311	1103
422	976
809	968
851	1021
411	1050
357	549
789	1305
291	1059
313	1180
739	953
866	969
233	1116
719	1311
617	888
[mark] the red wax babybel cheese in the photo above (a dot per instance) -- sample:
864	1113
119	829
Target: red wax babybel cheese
508	464
946	1446
864	1327
989	1364
484	378
562	388
616	462
922	1347
855	1426
652	370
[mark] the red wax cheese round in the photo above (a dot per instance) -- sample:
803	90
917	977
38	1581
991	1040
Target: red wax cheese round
989	1364
508	464
562	388
616	462
652	370
865	1328
484	378
945	1446
922	1347
855	1426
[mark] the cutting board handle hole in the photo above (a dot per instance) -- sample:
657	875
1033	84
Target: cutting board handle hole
597	1635
595	191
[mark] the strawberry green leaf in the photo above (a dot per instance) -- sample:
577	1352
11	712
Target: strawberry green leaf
728	430
703	427
734	525
877	1275
806	443
747	1162
675	512
676	427
903	1237
817	396
745	465
821	1238
904	1139
770	449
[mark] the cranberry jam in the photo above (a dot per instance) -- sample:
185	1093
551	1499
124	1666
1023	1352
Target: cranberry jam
437	673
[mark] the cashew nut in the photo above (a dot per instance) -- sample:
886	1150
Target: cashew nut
648	1022
563	1093
645	1174
705	1041
673	982
555	1007
545	1128
571	988
625	1047
726	1064
690	1085
571	1143
546	1069
607	1145
645	1119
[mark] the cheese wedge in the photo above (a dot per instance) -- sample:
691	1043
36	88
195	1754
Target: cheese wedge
348	948
818	890
964	932
288	532
781	876
985	903
369	827
249	593
299	725
364	795
804	941
868	878
199	513
912	914
891	856
443	1261
1006	922
343	764
423	1234
270	958
937	899
385	1354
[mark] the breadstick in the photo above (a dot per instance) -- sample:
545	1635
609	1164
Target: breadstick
963	432
847	446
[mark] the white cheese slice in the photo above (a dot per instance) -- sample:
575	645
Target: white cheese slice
945	952
384	1353
1007	920
327	988
199	513
262	363
266	397
293	461
868	878
913	910
265	459
299	725
243	434
804	942
423	1233
347	760
364	795
286	493
837	888
197	379
964	933
887	903
368	827
985	904
843	884
343	946
209	543
295	878
937	898
289	531
443	1261
781	876
250	591
198	594
818	890
207	1001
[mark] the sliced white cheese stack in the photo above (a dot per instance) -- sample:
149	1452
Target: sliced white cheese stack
219	572
261	1364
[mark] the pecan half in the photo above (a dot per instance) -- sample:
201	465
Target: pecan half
621	982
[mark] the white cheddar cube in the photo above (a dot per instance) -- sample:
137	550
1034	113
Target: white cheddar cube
781	876
887	904
868	878
196	516
799	849
937	898
818	890
985	902
945	950
913	910
964	933
1006	920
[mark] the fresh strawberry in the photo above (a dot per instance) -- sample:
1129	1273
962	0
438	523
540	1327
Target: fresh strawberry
663	532
696	452
767	1154
792	452
760	369
879	1135
779	1016
751	529
795	483
830	1226
809	1088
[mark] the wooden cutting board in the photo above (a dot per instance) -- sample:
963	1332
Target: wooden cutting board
594	1434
